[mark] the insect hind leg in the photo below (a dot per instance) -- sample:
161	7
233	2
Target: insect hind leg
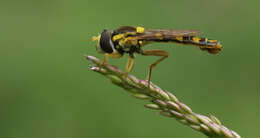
162	53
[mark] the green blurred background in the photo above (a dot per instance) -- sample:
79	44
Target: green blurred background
46	89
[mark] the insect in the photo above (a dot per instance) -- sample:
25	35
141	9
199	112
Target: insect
130	40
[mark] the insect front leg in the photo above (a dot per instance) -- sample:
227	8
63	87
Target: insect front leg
104	61
163	54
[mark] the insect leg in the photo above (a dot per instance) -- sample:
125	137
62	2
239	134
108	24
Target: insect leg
129	64
162	53
104	61
105	58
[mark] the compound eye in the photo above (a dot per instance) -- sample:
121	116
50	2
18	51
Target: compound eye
105	42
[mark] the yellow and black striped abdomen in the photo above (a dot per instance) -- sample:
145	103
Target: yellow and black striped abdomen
212	46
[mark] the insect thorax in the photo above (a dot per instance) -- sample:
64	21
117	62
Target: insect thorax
126	45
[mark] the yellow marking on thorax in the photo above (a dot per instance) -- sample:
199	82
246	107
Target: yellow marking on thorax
119	36
179	38
121	42
139	29
196	39
128	41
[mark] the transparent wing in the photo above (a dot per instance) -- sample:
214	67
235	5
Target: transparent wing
154	34
165	34
174	32
124	29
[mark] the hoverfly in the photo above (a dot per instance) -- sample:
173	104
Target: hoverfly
130	40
